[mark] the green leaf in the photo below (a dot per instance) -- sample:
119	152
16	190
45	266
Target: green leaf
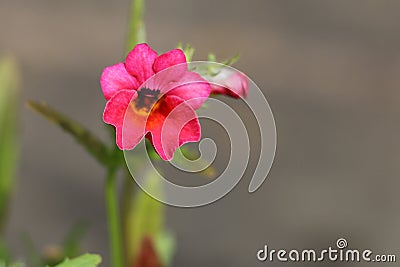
145	217
188	50
212	57
137	30
195	161
165	246
17	264
231	60
93	145
86	260
9	95
215	69
14	264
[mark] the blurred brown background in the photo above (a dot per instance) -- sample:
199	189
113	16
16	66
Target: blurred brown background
331	72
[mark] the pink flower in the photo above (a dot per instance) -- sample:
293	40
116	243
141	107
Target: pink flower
160	107
230	82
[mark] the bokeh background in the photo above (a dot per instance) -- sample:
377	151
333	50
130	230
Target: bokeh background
331	73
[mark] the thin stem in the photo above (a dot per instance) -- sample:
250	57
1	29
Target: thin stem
114	224
126	207
137	31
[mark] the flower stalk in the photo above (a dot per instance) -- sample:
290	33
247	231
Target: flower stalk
9	95
114	223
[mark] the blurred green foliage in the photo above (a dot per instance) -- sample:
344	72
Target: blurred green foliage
9	105
93	145
71	244
136	27
14	264
145	219
86	260
188	50
53	255
5	255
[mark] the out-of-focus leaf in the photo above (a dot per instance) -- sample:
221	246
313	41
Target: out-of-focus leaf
196	162
214	70
165	246
212	57
232	60
9	94
5	254
188	50
137	30
83	136
86	260
145	218
71	243
151	151
14	264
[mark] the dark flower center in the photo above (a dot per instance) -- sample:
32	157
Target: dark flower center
146	99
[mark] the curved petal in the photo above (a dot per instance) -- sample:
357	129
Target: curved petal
169	59
115	78
234	84
192	88
139	62
129	126
169	67
171	125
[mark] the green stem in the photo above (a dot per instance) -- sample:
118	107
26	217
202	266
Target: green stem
114	224
126	206
136	30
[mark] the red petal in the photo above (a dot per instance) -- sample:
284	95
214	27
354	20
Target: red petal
129	126
168	73
172	124
234	84
168	59
192	88
115	78
139	62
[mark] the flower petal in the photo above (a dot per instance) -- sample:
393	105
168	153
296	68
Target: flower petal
169	67
231	83
115	78
139	62
169	59
129	126
147	256
191	87
171	125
